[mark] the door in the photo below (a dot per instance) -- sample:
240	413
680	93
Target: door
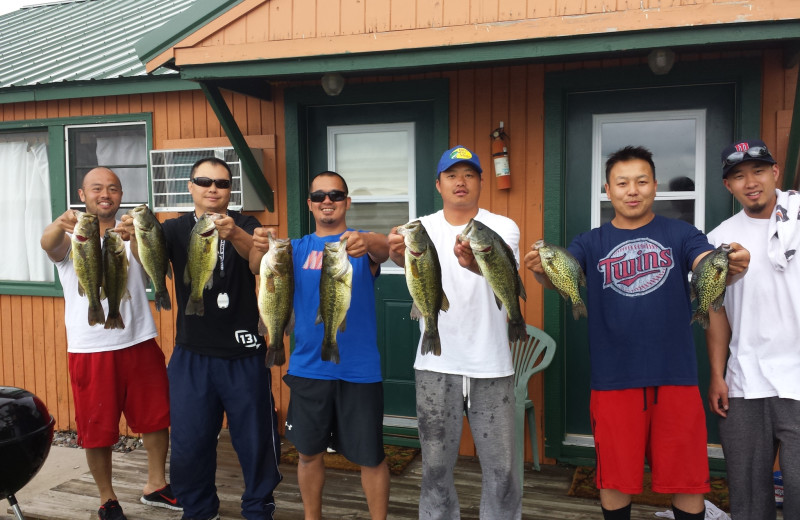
383	140
685	128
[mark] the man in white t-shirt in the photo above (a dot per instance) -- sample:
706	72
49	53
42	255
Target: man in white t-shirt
113	371
474	373
758	398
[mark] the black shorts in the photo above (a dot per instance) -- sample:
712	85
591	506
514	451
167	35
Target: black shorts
347	417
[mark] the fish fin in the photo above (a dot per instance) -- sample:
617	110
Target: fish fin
416	314
431	344
187	277
262	328
275	356
126	296
81	292
414	267
330	351
700	317
692	293
290	325
102	293
210	282
169	270
517	330
114	322
445	303
96	315
270	285
498	302
319	318
579	309
195	307
343	325
163	300
717	303
522	293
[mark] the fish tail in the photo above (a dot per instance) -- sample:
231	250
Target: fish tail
114	322
275	356
517	330
162	300
700	317
96	315
195	307
431	343
330	350
579	309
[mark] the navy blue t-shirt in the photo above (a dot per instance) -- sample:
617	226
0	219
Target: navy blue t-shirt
639	302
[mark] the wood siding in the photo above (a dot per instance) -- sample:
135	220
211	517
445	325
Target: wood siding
32	334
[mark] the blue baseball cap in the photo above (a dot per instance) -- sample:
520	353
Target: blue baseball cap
458	154
745	150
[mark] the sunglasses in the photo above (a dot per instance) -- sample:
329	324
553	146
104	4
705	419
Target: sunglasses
756	152
205	182
334	195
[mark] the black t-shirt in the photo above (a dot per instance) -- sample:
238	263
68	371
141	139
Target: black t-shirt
231	332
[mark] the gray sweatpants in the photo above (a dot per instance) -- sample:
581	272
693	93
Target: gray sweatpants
489	405
751	435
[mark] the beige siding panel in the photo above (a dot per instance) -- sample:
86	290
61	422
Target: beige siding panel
403	15
483	11
512	10
429	14
328	19
304	19
455	12
236	32
377	16
280	19
352	13
600	6
570	7
258	24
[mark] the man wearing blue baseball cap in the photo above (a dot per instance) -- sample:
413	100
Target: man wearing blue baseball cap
755	335
475	372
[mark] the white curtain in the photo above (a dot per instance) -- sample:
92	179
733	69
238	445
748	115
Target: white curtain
124	149
24	211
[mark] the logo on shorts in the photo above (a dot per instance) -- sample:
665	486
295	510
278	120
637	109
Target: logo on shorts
636	267
247	339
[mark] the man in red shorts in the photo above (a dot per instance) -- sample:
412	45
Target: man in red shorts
645	402
113	371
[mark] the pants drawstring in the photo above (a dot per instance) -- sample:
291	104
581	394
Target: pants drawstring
465	390
655	396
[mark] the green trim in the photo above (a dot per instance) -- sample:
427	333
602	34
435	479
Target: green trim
79	120
198	15
249	163
587	46
102	88
557	86
791	175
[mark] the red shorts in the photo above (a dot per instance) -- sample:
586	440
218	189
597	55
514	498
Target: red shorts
131	380
665	424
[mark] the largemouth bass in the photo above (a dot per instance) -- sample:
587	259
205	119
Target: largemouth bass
335	288
202	259
88	263
424	280
498	265
565	273
115	277
708	283
276	298
152	250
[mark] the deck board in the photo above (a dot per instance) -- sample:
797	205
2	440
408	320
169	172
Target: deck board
545	493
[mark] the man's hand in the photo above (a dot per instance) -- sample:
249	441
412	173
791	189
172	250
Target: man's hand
533	261
718	396
125	228
463	253
738	259
356	245
67	221
261	240
225	227
397	247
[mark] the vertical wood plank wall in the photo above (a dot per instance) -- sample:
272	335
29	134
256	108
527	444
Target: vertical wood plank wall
32	334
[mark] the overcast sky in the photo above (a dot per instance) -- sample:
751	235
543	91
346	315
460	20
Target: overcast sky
6	6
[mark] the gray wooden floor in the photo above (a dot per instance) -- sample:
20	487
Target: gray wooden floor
545	493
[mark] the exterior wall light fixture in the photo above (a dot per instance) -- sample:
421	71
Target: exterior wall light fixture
332	83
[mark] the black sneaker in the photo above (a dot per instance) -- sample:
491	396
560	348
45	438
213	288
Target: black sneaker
111	510
162	498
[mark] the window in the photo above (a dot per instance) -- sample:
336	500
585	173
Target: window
677	140
25	208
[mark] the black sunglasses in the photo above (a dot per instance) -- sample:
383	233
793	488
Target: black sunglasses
756	152
334	195
205	182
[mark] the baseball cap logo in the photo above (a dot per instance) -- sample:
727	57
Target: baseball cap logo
460	153
742	147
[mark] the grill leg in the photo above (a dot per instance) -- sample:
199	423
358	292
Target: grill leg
15	507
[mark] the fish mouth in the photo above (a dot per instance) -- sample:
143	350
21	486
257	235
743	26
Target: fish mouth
207	233
538	244
81	238
416	254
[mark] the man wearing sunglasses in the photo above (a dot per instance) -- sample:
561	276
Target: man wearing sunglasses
335	404
217	365
475	372
756	336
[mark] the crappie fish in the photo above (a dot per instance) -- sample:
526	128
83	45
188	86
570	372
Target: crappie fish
152	249
565	273
708	283
424	280
498	265
276	298
115	277
335	287
202	259
88	263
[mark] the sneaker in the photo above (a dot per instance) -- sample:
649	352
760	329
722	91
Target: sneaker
162	498
111	510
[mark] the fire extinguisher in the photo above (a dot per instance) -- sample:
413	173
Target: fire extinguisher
500	158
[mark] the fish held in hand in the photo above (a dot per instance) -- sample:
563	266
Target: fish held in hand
424	280
115	277
152	250
88	263
276	298
565	273
335	290
498	265
202	260
708	283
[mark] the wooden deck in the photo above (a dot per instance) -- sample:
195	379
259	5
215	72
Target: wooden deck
545	493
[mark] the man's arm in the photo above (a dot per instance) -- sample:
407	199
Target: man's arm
738	260
241	240
397	247
260	247
718	337
55	240
374	245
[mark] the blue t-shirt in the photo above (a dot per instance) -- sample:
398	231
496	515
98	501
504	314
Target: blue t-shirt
360	360
639	302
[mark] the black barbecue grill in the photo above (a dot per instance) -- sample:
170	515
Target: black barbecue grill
26	433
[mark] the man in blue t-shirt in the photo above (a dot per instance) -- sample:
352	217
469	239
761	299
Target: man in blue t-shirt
335	404
645	401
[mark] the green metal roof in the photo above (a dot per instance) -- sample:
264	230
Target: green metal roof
79	40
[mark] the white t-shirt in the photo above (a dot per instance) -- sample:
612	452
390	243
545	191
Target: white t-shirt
474	332
83	338
763	309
